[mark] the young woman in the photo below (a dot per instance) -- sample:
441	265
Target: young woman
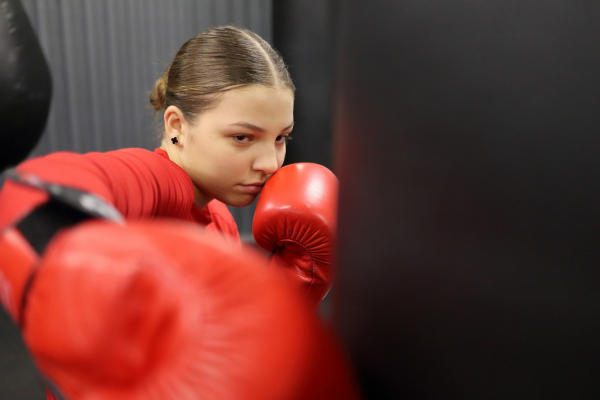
227	100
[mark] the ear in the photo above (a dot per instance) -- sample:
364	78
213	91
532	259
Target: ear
174	122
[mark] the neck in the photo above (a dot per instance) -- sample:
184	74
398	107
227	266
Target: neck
172	152
200	199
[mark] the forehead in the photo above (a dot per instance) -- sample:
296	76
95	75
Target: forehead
258	105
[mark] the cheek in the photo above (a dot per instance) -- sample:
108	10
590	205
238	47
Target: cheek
220	156
281	157
231	163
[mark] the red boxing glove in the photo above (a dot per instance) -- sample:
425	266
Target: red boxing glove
296	219
17	261
163	310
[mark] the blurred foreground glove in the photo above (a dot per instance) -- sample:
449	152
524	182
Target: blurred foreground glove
48	208
295	219
163	310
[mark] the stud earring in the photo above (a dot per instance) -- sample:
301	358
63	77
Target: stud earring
174	140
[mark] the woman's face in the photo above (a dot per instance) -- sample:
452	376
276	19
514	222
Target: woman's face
230	151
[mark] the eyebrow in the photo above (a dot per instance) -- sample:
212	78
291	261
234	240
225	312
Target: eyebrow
255	128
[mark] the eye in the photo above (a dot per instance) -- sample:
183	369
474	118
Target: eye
242	138
283	138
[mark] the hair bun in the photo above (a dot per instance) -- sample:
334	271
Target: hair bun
158	97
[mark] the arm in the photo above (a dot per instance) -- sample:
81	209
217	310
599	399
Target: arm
137	182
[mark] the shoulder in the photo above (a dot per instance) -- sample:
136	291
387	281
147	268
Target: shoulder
140	161
148	174
142	155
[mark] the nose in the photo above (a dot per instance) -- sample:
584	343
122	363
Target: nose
268	160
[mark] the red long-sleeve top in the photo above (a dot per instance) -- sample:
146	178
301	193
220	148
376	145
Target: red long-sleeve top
138	182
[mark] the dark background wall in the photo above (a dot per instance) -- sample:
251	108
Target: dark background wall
303	32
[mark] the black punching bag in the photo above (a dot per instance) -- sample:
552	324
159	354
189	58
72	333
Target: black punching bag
25	85
467	138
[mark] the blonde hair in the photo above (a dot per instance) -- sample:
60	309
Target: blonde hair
214	61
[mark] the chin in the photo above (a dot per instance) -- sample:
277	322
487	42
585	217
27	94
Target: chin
239	202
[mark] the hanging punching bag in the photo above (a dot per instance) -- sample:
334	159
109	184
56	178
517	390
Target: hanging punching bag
25	85
467	138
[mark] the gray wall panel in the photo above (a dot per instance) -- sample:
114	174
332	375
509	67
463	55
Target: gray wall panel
105	57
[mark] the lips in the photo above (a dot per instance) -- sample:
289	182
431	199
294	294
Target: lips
252	188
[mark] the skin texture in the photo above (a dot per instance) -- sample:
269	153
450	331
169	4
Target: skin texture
230	150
